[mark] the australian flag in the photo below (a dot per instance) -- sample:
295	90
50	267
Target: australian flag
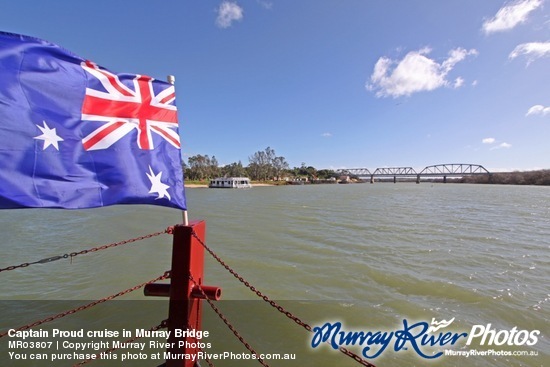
76	135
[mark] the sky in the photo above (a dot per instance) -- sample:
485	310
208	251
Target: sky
332	83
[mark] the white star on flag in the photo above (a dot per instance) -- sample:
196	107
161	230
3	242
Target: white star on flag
49	136
156	184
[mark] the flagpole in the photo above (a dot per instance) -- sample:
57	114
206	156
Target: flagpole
172	80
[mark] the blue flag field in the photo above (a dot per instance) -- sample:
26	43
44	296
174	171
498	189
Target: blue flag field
76	135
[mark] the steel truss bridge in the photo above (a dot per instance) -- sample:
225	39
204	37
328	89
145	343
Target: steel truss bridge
438	170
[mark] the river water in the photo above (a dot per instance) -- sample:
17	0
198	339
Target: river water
373	257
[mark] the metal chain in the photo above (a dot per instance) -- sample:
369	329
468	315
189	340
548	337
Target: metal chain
166	275
275	304
163	324
252	288
199	348
168	230
228	323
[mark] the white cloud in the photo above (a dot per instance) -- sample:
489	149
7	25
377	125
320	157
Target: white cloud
502	145
493	140
455	56
459	82
228	12
511	15
538	110
415	73
326	135
266	4
532	50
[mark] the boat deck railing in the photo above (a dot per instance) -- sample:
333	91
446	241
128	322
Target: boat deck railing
186	293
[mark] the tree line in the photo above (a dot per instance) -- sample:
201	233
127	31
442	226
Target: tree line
263	165
539	177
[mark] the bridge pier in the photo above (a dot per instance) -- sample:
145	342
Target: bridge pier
417	179
394	179
444	179
371	179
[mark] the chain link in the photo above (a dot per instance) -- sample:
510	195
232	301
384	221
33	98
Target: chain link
228	323
253	289
166	275
168	230
202	350
275	304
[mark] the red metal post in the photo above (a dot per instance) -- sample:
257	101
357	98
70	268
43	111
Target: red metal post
185	307
184	312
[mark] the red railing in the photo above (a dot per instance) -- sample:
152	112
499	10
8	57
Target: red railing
186	292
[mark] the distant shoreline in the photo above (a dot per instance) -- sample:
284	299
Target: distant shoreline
535	178
205	186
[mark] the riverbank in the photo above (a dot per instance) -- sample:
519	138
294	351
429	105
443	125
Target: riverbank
200	185
539	177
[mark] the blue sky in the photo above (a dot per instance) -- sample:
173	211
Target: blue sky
333	83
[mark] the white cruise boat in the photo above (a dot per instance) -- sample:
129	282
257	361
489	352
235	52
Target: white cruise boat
230	183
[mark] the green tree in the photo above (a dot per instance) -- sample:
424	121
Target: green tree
202	167
261	164
325	174
235	169
279	166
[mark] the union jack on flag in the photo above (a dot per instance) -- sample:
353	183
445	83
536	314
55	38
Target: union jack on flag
125	110
76	135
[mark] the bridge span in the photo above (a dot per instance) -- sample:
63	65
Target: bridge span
438	170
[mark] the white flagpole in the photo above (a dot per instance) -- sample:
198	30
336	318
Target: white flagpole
172	80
